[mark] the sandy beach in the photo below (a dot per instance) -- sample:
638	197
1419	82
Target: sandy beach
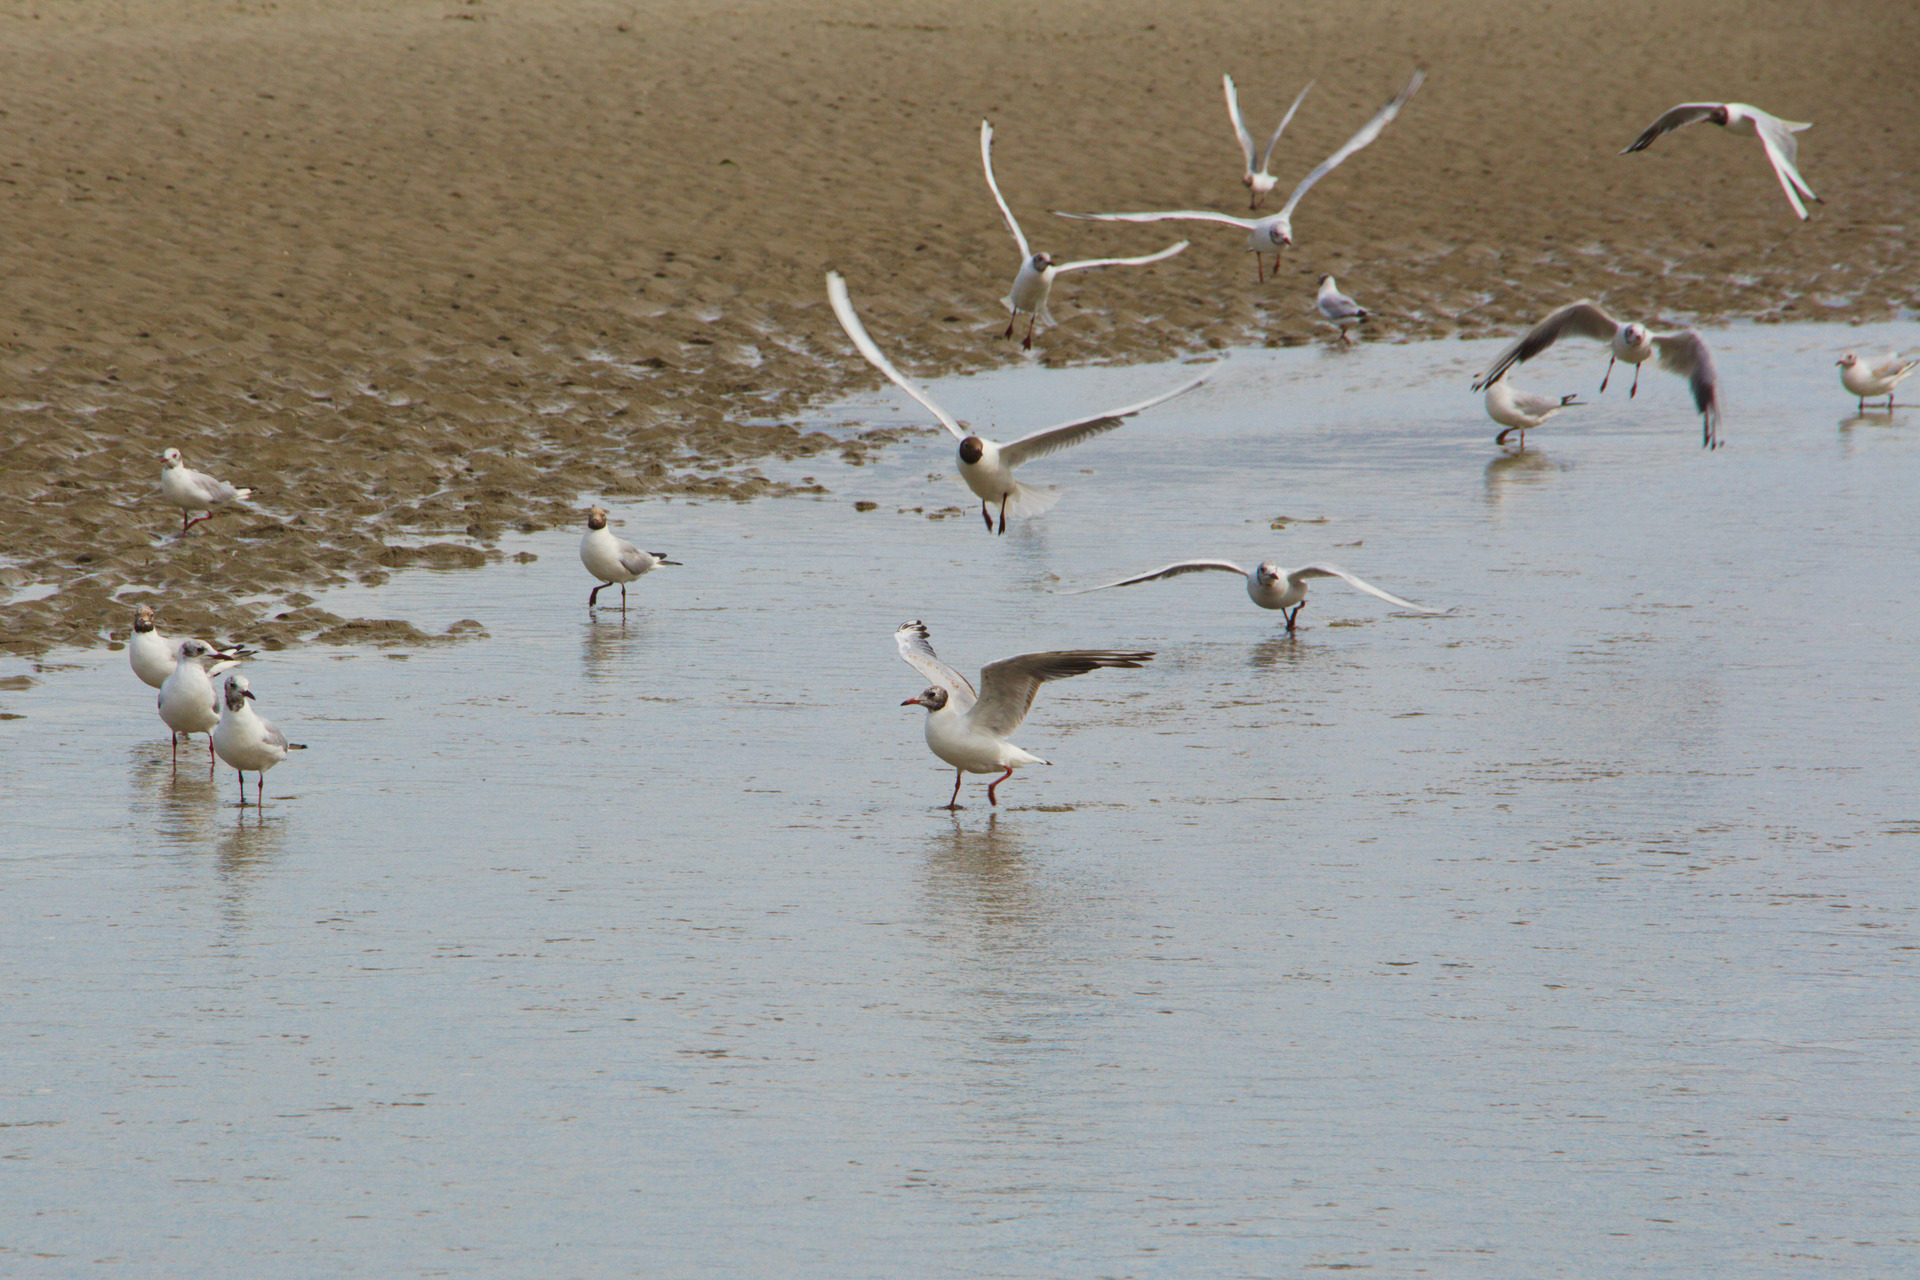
421	273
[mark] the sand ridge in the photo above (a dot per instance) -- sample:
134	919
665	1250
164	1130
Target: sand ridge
424	271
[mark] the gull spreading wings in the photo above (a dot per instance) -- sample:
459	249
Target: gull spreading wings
1268	585
1034	282
1275	231
1007	687
987	466
1682	351
1776	135
1257	180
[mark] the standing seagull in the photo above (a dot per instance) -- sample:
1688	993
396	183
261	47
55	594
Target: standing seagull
1258	181
1521	411
1776	135
1269	585
1865	378
246	741
612	559
1037	270
1275	232
969	731
152	655
1339	309
1683	352
183	487
187	702
987	466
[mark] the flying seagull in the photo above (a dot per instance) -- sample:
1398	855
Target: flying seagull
987	466
1776	135
1037	270
1683	352
1258	181
1275	232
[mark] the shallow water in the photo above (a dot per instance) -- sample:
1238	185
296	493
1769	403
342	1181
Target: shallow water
1570	933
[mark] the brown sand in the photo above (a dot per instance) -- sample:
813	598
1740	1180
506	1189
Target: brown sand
422	271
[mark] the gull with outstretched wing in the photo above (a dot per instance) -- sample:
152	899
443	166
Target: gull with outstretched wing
985	465
1776	135
1268	585
1258	181
1038	270
1682	351
1275	231
970	732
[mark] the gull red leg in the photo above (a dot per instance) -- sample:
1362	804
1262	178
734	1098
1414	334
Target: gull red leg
986	515
991	798
1011	321
1027	345
595	593
1294	616
1609	374
1635	388
953	802
1003	511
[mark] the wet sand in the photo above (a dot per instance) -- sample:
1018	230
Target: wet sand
424	273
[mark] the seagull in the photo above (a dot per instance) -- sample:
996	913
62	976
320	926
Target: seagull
183	487
1269	586
1274	232
1867	378
969	731
985	465
1037	270
1776	135
152	655
1258	181
187	702
612	559
1339	309
1683	352
1521	411
246	741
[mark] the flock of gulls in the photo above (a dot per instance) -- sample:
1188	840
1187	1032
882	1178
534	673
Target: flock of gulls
970	728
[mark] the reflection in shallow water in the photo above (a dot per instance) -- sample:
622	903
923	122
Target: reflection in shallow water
178	806
1277	650
610	643
1517	467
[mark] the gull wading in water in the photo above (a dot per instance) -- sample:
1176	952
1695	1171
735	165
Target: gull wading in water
985	465
187	701
1521	411
969	731
1870	378
1683	352
1338	309
1776	135
183	487
1268	585
1037	270
612	559
1274	232
1258	182
246	741
152	655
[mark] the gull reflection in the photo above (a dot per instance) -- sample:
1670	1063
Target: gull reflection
608	645
177	806
980	874
1516	467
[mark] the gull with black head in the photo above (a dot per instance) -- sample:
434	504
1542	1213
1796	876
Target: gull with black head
1274	232
1681	351
969	731
1038	270
1268	585
246	740
612	559
986	466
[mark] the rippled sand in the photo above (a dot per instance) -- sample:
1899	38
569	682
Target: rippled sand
422	273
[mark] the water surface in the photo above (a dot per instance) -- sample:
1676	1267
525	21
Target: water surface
1568	934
